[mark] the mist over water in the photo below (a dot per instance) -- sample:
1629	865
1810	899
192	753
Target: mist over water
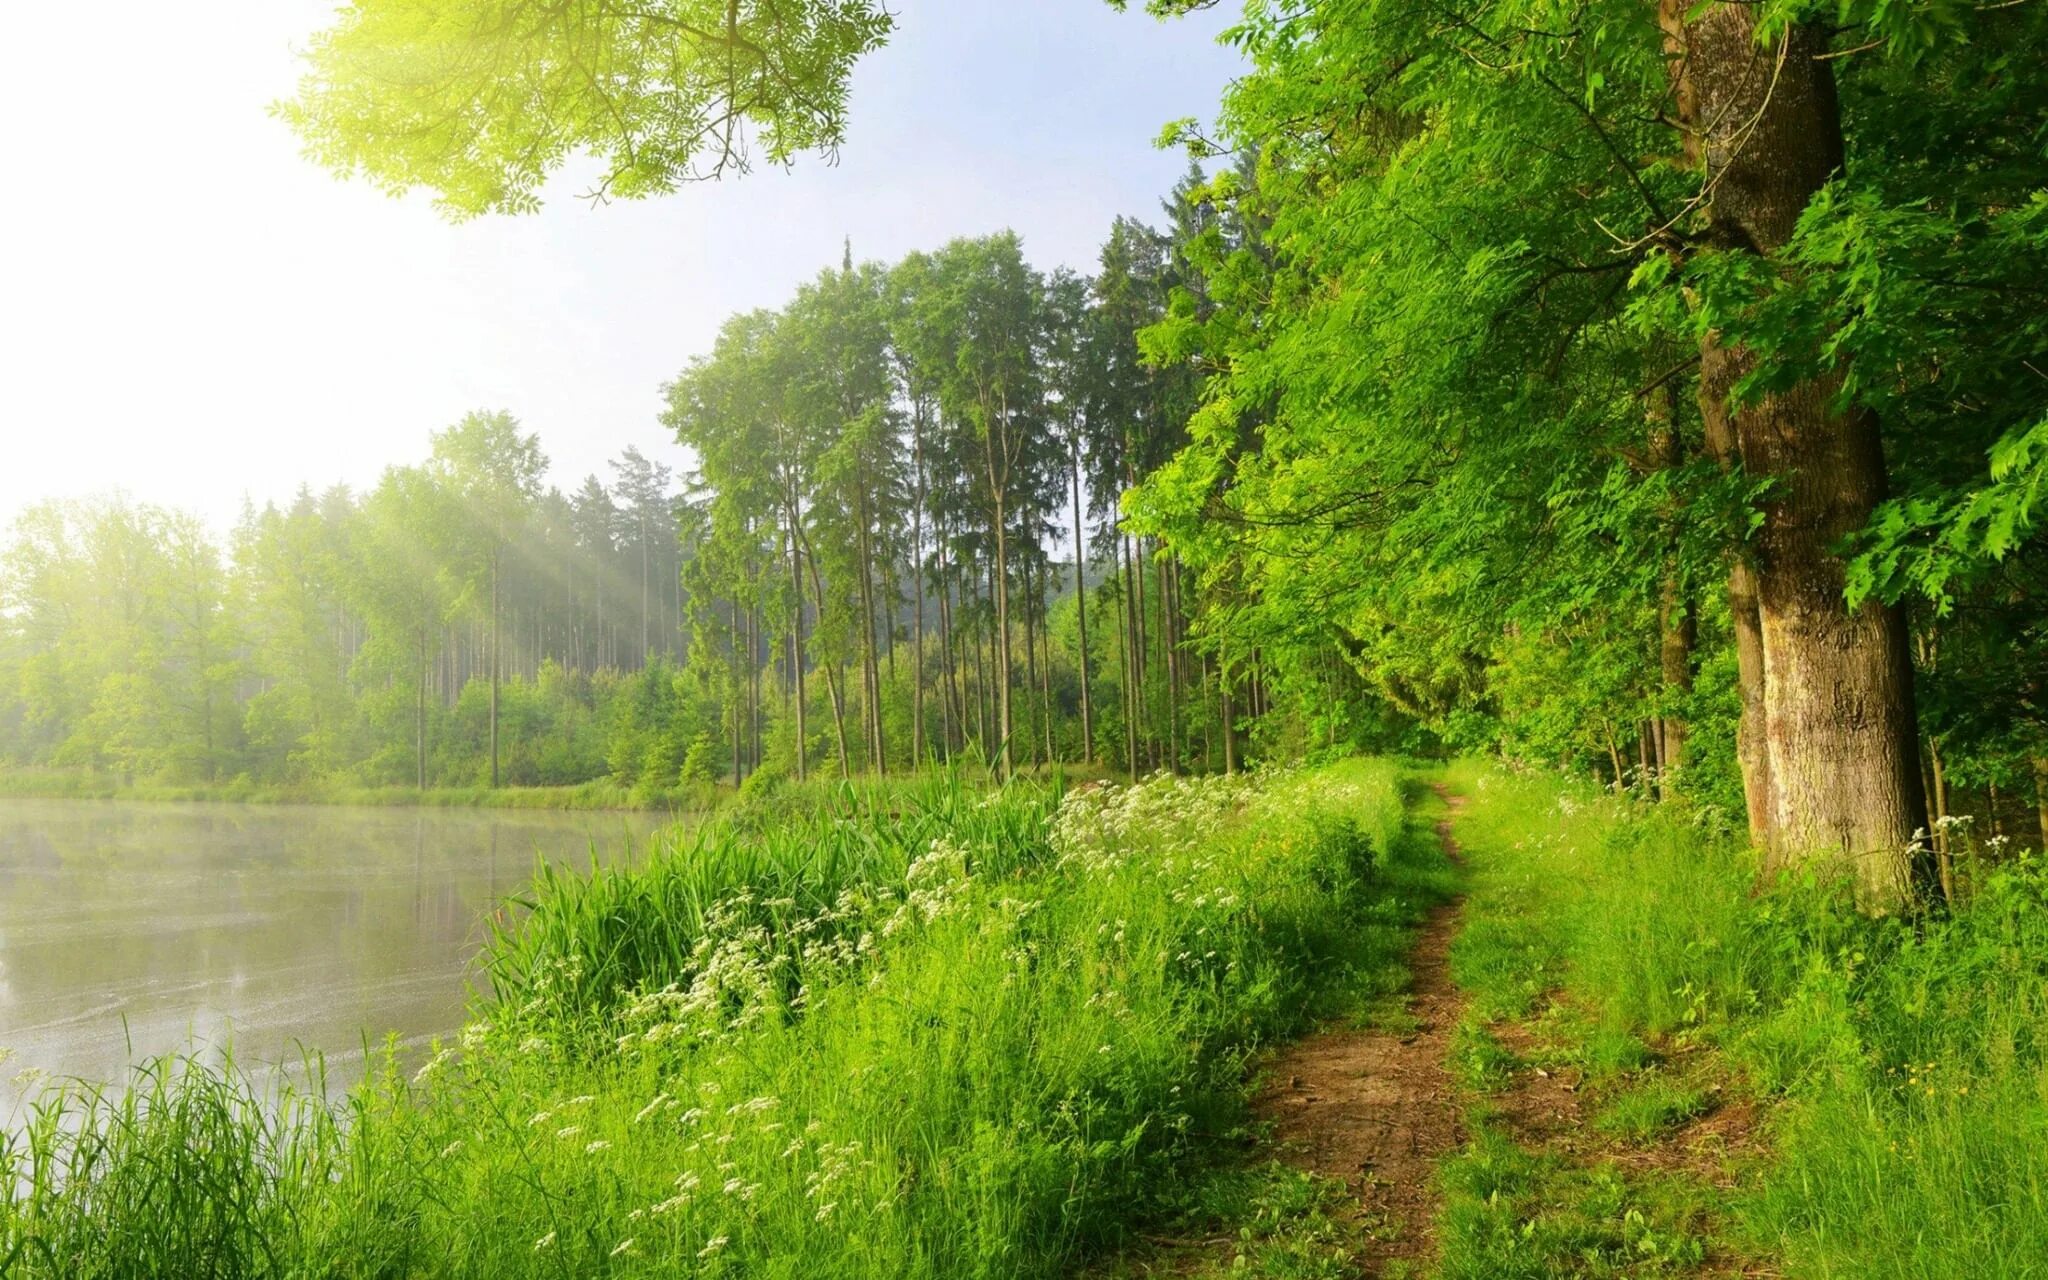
130	930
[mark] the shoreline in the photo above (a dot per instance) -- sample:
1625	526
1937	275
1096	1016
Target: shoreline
697	798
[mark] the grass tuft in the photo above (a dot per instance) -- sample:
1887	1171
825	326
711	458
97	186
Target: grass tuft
1648	1108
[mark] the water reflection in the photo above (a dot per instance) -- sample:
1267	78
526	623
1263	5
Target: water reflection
128	930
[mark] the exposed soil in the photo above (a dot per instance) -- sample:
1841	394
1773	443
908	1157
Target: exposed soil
1377	1108
1541	1106
1549	1109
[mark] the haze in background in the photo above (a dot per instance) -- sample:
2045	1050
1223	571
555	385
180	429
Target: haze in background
195	315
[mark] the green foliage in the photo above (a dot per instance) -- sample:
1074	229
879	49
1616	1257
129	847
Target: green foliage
480	100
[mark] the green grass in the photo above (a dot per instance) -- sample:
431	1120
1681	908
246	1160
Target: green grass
1510	1214
1648	1108
1265	1220
890	1030
1904	1063
1478	1058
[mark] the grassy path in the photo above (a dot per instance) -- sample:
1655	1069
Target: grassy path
1594	1150
1374	1106
1676	1071
1336	1178
1479	1125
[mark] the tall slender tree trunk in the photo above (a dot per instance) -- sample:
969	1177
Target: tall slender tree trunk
733	700
833	670
917	573
1169	640
2041	796
1030	655
796	645
1141	651
917	726
1000	572
495	554
419	717
871	672
1081	610
1228	714
1133	658
952	708
1838	709
1677	624
1043	605
758	658
1940	841
980	690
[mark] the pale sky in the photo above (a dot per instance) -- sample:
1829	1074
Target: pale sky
191	313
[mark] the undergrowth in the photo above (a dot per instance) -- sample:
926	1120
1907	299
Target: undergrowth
1904	1064
915	1029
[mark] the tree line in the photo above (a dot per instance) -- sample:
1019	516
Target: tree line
400	635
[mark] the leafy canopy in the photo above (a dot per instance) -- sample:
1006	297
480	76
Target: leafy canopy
480	100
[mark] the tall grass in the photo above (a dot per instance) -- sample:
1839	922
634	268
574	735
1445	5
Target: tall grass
1908	1059
915	1030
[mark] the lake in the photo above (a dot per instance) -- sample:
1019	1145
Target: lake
128	930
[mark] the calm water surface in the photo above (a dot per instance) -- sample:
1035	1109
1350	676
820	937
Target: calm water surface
128	930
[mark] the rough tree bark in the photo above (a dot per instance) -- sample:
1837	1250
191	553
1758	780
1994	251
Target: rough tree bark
1837	693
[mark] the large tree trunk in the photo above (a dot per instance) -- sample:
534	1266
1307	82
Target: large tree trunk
1752	750
1840	733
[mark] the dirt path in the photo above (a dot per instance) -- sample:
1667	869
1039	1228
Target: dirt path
1376	1107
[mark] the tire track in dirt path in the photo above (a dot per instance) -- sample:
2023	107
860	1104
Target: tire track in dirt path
1376	1107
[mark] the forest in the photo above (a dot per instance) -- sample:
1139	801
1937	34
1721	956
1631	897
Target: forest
456	625
465	625
1524	571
